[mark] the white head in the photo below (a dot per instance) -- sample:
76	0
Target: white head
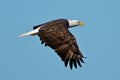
73	23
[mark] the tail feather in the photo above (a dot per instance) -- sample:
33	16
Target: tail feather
33	32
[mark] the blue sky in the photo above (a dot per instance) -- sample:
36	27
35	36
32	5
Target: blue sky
26	59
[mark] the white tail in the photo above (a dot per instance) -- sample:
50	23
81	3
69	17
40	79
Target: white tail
33	32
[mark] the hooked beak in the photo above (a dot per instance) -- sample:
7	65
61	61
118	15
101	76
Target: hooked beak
81	23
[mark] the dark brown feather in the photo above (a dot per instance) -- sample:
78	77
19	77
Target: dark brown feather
66	62
75	63
78	61
56	35
71	63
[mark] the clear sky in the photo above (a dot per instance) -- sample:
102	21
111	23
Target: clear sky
26	59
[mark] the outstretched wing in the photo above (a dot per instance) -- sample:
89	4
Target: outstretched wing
64	44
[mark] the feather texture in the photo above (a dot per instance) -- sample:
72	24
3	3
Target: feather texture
56	35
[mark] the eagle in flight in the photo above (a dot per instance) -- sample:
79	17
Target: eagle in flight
56	35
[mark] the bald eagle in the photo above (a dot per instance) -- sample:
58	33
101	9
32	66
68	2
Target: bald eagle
56	35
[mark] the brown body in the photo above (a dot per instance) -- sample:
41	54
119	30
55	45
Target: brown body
61	40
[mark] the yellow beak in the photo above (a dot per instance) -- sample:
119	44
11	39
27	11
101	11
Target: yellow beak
81	24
